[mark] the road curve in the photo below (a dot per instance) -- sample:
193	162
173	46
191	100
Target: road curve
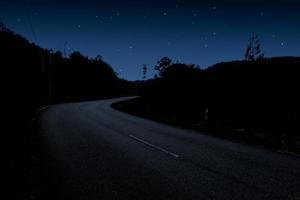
91	151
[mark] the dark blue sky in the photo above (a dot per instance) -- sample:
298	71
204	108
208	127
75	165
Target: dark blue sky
129	34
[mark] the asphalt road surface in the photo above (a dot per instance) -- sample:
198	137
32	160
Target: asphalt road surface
91	151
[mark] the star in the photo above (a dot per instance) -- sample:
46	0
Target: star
282	44
97	16
262	13
79	26
214	34
165	13
214	7
130	47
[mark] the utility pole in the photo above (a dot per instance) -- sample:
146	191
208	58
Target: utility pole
43	62
136	87
50	77
145	68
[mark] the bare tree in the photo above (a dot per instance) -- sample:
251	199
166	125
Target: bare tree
253	51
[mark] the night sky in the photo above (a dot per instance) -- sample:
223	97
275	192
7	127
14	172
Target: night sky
128	34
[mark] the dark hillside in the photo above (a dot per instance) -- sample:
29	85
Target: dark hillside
248	98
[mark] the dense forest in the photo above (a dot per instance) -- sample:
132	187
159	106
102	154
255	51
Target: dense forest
33	77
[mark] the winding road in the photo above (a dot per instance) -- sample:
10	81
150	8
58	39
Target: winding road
91	151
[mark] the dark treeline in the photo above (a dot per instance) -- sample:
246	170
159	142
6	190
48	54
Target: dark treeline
248	98
78	79
33	77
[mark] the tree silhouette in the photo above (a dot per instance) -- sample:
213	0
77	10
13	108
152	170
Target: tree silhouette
3	28
253	50
162	65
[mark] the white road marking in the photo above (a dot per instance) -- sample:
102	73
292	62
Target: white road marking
43	108
154	146
36	114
